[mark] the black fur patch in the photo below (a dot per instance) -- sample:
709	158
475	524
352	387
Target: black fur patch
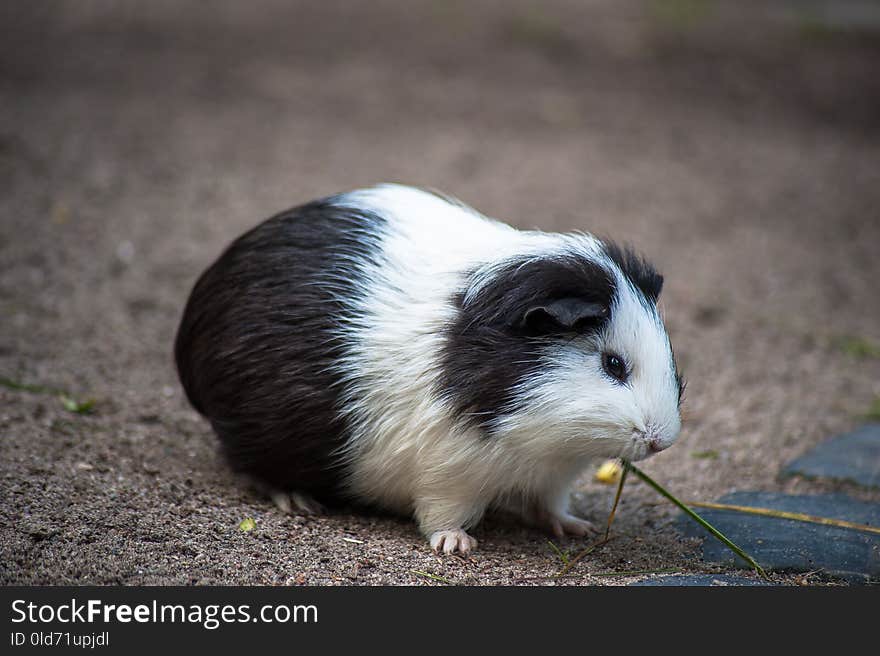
642	274
487	352
260	334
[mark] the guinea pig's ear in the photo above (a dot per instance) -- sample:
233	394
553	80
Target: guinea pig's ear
562	315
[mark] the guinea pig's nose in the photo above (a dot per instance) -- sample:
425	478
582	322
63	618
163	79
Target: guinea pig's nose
656	445
653	437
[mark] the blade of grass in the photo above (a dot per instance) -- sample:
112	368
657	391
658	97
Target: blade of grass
433	577
637	572
79	407
70	404
702	522
8	383
784	514
562	556
580	576
616	500
586	552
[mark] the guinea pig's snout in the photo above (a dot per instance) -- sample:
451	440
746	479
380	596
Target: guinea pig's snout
656	445
653	439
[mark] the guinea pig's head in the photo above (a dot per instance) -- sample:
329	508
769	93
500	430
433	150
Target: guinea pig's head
565	354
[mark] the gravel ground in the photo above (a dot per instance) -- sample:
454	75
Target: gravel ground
740	151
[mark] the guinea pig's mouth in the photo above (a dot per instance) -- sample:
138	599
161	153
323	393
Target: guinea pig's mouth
643	444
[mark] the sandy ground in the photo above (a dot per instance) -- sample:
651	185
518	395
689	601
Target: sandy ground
741	151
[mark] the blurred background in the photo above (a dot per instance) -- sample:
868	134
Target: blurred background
735	142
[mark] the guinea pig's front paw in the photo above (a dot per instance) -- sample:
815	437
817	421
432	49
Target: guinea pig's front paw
562	523
292	503
452	540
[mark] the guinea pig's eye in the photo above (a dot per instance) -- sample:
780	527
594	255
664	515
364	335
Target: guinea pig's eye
615	367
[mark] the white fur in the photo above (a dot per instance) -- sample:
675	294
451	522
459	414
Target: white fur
408	453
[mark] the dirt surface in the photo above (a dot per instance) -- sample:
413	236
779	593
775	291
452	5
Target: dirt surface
740	151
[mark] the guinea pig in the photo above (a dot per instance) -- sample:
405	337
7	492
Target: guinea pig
392	347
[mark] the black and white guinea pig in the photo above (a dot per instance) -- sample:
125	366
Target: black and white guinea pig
393	347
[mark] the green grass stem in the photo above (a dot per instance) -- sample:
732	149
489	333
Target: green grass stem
702	522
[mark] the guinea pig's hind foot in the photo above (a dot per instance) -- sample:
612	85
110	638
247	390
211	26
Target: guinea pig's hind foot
296	503
564	523
453	540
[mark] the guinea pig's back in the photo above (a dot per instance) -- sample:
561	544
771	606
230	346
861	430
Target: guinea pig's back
263	333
